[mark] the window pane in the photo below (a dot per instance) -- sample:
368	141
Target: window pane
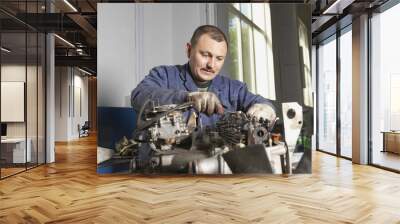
327	97
251	53
261	65
235	48
346	94
236	5
385	87
270	53
258	15
394	101
245	8
248	56
305	53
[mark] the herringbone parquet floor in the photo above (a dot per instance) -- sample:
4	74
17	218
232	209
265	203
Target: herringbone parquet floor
70	191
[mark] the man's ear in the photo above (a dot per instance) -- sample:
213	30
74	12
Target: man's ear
188	49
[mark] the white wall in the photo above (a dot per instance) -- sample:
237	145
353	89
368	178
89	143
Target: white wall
68	82
61	103
133	38
157	33
79	117
185	18
115	53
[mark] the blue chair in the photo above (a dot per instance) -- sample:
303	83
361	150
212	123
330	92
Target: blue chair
113	124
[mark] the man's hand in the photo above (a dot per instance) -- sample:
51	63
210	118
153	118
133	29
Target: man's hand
261	111
206	102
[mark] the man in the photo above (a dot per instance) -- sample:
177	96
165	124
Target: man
199	81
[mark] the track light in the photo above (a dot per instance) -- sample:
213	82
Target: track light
64	40
5	50
337	7
70	5
84	71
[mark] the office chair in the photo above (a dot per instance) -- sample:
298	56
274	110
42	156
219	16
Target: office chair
84	130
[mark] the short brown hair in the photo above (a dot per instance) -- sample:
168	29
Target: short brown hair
214	32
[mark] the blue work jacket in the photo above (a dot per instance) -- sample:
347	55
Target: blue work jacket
171	85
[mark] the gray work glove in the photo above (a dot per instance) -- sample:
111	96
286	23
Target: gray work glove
206	102
264	111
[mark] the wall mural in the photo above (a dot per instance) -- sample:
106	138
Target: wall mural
241	103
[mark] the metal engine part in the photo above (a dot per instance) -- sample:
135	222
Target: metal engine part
236	128
222	149
170	127
293	122
164	125
251	144
162	128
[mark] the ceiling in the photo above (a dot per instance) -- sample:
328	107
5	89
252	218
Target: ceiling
75	21
332	15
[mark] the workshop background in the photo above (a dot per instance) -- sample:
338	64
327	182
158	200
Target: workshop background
269	50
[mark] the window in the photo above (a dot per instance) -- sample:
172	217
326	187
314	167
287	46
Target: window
250	42
385	88
327	96
394	101
346	94
334	102
305	52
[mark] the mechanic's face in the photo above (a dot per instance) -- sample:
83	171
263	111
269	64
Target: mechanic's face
206	58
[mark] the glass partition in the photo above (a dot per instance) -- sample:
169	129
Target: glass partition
14	153
31	99
41	107
22	79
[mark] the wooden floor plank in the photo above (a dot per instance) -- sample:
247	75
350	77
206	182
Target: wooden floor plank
70	191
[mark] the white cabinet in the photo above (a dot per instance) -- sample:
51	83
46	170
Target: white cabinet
17	147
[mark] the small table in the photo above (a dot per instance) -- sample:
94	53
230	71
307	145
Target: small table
391	141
